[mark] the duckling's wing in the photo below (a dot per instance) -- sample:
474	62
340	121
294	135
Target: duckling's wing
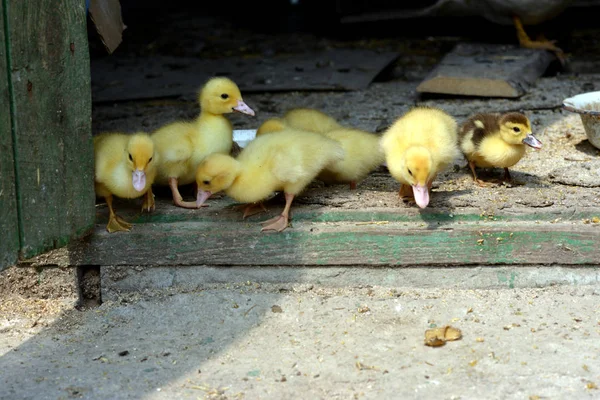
109	150
177	152
483	125
172	151
287	167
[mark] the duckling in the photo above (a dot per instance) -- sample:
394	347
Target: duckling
496	140
361	148
125	166
417	147
310	119
183	144
287	161
362	155
271	125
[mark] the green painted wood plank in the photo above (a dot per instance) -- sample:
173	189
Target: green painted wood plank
412	215
52	112
193	243
9	244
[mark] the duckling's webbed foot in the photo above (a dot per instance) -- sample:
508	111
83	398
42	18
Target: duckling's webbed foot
352	185
280	222
117	224
482	183
509	179
251	209
475	178
148	204
406	194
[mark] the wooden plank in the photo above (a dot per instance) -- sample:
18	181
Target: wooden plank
52	113
118	79
487	70
106	15
381	238
9	244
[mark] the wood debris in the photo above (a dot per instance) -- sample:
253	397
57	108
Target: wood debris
439	336
361	367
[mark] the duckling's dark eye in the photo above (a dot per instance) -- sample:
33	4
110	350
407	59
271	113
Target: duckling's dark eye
130	158
150	159
206	182
516	129
410	172
224	96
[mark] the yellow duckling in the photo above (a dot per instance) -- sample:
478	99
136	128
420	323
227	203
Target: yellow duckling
417	147
362	155
182	145
309	119
362	151
496	140
125	166
287	161
271	125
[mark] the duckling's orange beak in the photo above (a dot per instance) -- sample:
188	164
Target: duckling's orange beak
202	197
530	140
243	108
421	193
138	180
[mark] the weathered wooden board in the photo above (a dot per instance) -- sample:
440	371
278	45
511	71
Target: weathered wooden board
380	238
9	227
106	15
116	79
51	100
487	70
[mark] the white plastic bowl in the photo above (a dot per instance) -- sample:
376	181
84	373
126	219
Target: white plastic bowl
587	105
243	136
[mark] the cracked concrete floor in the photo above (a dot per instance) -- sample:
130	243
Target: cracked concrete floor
260	341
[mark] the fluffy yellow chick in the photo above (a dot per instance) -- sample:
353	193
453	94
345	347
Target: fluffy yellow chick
182	145
496	140
362	155
287	161
125	166
271	125
417	147
362	152
309	119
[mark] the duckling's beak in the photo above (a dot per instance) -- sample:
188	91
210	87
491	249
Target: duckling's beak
243	108
139	180
530	140
202	197
421	194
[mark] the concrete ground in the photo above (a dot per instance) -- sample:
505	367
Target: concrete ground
248	340
329	333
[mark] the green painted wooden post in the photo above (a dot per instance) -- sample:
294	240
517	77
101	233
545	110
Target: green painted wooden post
51	112
9	228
